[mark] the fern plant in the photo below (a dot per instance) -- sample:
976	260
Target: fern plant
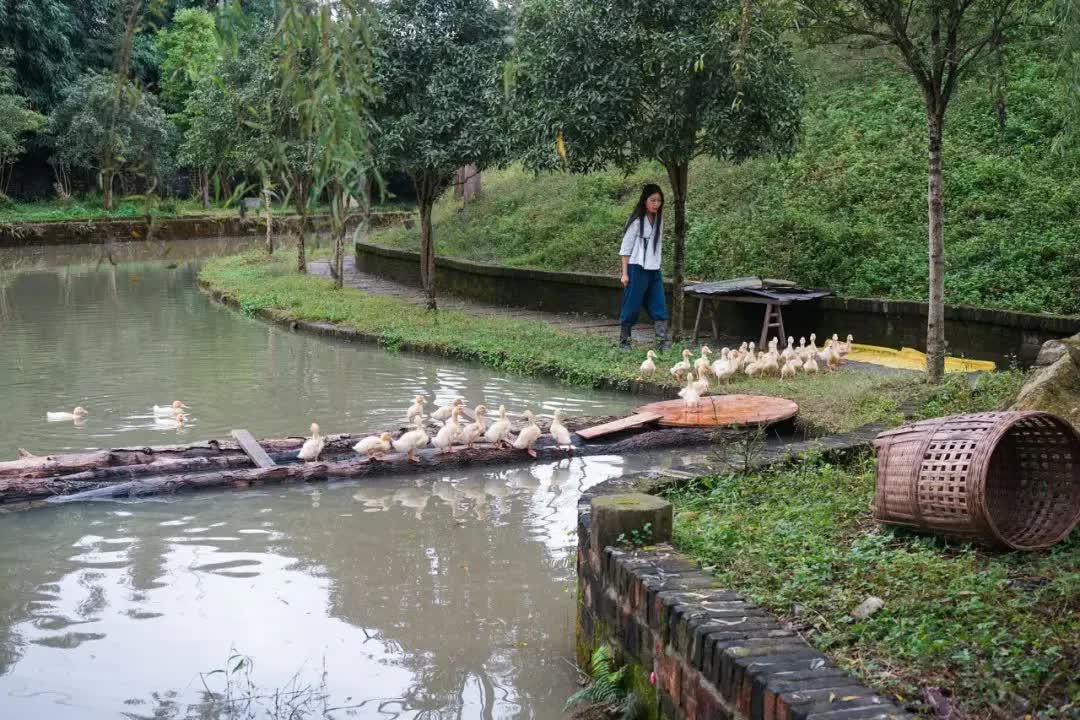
607	691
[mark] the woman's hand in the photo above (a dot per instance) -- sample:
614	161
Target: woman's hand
625	279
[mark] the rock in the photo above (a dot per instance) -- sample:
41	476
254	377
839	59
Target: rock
1050	353
1056	388
868	607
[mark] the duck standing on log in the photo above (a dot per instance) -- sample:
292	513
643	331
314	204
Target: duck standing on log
413	440
313	446
528	435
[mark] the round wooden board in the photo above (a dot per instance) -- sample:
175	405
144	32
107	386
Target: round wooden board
722	410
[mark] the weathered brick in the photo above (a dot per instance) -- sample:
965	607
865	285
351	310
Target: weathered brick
884	712
803	703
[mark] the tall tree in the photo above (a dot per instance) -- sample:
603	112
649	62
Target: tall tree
189	51
617	82
326	76
17	121
53	42
97	129
937	42
440	73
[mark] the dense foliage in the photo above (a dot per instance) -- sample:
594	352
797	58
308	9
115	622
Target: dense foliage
847	211
441	76
614	83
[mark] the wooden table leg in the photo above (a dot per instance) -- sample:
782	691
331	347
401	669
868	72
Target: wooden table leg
715	322
765	327
697	321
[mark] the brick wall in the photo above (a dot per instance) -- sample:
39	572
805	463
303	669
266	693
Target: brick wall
712	654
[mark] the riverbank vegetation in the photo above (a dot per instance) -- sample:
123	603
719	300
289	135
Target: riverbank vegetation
847	211
990	634
834	402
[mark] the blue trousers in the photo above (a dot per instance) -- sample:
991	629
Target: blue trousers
646	288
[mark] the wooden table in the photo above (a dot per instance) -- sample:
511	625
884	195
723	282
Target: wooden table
774	316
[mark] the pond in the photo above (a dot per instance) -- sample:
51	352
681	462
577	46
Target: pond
447	595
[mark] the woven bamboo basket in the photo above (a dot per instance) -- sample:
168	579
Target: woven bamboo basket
1010	479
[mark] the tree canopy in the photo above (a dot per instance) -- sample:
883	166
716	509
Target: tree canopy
616	82
440	71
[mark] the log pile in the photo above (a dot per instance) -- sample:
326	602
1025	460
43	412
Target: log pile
32	480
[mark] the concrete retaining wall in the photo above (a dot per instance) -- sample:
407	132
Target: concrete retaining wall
979	333
181	228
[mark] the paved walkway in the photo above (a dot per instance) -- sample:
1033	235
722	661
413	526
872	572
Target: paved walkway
643	333
571	321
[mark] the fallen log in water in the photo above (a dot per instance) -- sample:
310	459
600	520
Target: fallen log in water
136	472
396	464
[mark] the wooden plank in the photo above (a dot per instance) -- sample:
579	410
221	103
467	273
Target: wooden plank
618	425
253	449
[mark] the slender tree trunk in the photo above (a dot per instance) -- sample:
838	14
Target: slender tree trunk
269	221
106	188
426	192
301	209
678	175
204	187
935	325
337	214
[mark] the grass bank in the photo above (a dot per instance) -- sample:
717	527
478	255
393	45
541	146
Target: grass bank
998	631
847	211
832	403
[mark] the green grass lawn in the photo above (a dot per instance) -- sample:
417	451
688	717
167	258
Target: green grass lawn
847	211
999	630
834	402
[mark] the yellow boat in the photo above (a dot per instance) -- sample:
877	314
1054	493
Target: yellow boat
911	359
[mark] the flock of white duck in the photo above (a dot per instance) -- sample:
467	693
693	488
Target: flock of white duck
172	415
453	432
787	363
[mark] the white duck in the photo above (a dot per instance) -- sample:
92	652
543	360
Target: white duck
679	369
729	369
500	429
648	368
845	347
416	409
789	351
810	365
528	435
444	412
412	440
789	368
313	446
444	439
475	430
373	445
689	394
559	432
176	420
702	365
701	385
77	414
169	410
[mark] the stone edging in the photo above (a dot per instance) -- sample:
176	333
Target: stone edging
139	228
983	333
710	653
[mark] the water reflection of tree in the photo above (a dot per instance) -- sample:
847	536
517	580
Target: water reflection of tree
463	597
462	601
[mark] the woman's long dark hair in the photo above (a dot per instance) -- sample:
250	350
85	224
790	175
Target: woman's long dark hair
640	212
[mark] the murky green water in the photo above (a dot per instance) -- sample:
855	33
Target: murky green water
435	597
117	340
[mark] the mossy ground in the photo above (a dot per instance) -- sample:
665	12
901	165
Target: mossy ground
997	630
834	402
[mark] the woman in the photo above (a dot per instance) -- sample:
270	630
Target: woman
640	251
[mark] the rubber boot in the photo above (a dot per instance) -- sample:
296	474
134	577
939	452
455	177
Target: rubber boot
661	335
624	336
